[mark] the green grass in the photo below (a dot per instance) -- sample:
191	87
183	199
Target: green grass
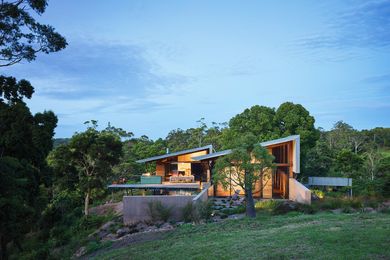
295	235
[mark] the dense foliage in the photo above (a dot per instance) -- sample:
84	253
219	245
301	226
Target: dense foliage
25	141
346	152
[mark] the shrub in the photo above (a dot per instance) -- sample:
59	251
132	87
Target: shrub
231	211
190	213
205	209
159	212
268	205
318	193
196	212
308	209
330	203
90	222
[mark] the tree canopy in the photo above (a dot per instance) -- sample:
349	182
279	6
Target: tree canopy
21	36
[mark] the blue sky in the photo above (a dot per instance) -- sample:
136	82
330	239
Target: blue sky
153	66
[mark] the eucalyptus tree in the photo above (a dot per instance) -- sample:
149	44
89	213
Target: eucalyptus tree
247	164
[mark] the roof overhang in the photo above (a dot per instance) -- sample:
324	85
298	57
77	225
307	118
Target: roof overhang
164	156
292	138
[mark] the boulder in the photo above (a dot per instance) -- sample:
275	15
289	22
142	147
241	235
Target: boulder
80	252
122	231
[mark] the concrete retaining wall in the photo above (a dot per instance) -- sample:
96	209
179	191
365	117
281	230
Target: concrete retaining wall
203	195
135	208
298	192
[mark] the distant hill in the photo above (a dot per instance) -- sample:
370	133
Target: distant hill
59	141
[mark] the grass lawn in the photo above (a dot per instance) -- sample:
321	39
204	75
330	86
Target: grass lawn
320	236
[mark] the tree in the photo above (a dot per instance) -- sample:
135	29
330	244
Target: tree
319	160
92	154
339	136
15	210
21	36
133	150
348	163
177	140
372	162
25	141
357	140
294	119
257	120
247	164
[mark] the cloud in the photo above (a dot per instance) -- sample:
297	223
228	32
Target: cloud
360	26
383	78
90	70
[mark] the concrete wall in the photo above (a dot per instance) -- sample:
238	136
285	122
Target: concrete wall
298	192
203	195
135	208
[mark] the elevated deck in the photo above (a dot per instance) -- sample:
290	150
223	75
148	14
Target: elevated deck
168	186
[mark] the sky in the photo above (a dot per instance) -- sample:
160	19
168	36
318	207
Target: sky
153	66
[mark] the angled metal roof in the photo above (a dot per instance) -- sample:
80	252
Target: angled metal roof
280	140
267	143
159	157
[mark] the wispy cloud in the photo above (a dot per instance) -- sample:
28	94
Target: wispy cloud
383	78
362	26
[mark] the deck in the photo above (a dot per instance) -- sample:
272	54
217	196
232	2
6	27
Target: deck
169	186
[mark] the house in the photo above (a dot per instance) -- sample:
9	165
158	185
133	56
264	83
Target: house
189	169
186	177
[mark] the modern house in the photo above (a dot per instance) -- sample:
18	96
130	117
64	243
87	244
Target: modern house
189	169
186	177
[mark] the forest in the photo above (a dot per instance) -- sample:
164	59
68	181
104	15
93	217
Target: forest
48	185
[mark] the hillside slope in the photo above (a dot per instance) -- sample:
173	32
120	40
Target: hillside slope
326	235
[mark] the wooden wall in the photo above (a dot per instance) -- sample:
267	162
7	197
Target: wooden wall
160	169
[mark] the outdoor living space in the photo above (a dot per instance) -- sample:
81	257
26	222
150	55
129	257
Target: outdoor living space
177	168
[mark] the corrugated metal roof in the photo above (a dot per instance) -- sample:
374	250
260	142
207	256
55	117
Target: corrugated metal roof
267	143
159	157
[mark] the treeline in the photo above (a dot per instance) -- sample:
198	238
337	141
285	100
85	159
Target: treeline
346	152
342	151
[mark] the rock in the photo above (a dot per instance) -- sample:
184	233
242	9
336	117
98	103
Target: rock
166	226
80	252
159	223
151	229
122	231
141	226
368	209
236	216
107	225
110	237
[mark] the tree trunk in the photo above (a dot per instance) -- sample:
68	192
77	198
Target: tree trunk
86	202
250	204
